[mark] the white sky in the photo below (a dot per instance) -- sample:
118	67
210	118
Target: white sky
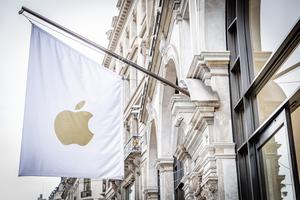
90	18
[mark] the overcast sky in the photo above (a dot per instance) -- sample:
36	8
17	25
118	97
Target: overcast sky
91	18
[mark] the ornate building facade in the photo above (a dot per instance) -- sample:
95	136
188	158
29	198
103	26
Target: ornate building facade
78	189
237	135
176	147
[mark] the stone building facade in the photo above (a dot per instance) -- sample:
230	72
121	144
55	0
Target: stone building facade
237	135
176	147
78	189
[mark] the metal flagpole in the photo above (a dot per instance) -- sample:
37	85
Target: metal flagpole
107	51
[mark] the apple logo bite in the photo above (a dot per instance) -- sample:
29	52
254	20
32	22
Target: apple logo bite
72	127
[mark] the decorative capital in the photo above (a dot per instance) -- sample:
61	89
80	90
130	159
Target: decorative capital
164	164
209	63
181	104
181	153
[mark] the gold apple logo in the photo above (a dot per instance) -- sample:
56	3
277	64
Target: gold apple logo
72	127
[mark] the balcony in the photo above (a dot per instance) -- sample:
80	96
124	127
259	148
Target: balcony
86	193
132	148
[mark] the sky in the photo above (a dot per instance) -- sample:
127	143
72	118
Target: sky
90	18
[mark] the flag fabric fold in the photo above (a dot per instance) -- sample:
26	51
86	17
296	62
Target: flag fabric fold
73	114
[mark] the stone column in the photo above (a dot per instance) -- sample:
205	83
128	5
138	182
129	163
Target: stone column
211	125
217	63
165	167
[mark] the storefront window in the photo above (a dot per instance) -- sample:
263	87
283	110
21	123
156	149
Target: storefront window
296	134
277	167
282	85
270	21
265	29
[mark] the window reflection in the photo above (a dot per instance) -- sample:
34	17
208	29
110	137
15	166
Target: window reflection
296	134
270	21
269	25
277	168
282	85
288	76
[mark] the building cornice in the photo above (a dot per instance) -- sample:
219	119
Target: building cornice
209	63
117	29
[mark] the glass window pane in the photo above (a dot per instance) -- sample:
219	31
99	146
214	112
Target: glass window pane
283	83
270	21
277	167
296	133
131	192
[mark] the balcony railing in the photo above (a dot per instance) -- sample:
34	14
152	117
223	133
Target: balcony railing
133	147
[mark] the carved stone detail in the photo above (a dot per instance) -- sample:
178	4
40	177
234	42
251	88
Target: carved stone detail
181	153
210	190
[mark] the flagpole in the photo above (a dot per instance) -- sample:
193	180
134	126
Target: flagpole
107	51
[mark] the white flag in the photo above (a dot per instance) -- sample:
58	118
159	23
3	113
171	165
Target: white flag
73	114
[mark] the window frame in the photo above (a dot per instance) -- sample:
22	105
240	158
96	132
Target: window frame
244	100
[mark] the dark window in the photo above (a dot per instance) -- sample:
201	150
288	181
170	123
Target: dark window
176	82
178	185
158	185
86	184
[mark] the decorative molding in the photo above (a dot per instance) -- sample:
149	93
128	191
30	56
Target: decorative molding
181	153
180	104
195	188
114	21
151	193
178	120
124	6
109	34
202	94
164	165
196	180
208	64
128	180
210	190
225	150
201	119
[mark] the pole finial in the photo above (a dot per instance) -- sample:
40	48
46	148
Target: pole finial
21	11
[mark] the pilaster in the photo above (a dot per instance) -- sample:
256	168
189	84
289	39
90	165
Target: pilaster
165	167
209	140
